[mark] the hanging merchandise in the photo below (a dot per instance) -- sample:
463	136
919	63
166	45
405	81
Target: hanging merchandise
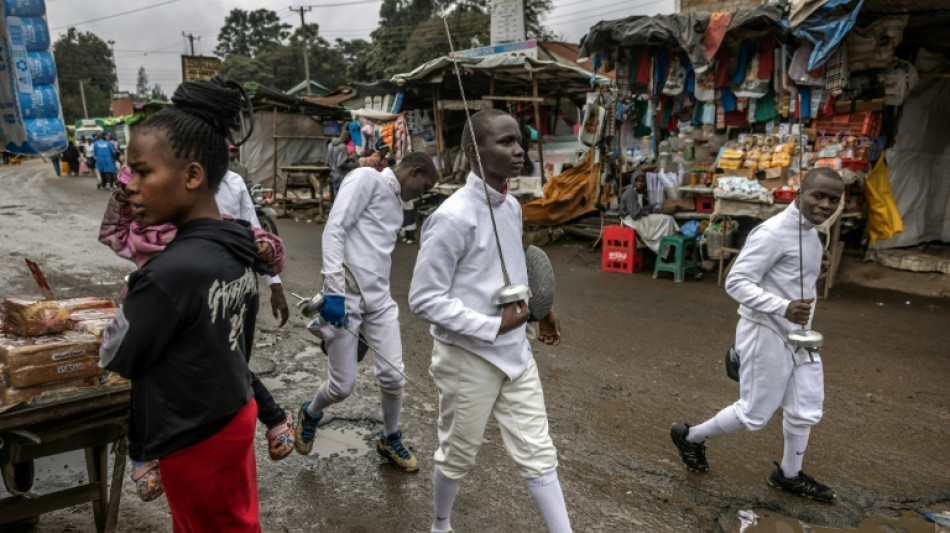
31	119
592	125
836	71
715	33
765	107
355	132
746	53
661	62
675	78
644	66
723	58
884	219
798	68
705	90
766	58
752	86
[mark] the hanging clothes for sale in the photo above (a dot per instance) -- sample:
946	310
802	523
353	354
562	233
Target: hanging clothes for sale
723	59
746	52
715	33
765	107
766	58
644	66
661	62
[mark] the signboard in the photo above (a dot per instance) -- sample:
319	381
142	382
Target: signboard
199	67
523	48
507	21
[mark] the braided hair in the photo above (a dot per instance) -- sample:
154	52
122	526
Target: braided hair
199	123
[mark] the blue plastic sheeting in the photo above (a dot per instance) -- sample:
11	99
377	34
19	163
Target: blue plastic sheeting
826	28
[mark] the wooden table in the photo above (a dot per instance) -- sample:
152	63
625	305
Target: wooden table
89	419
316	176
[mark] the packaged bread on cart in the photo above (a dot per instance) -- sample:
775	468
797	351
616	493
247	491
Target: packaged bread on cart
33	316
30	362
91	321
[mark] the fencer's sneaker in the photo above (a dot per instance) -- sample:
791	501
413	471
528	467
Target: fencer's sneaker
693	455
392	449
802	484
306	429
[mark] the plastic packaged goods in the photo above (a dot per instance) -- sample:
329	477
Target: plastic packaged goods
33	316
11	396
34	375
24	8
19	352
31	119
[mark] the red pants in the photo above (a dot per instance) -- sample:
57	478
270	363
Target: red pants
212	486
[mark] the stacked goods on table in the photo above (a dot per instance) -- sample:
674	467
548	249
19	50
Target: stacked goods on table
50	345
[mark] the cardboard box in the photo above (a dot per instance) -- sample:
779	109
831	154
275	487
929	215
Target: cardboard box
683	204
773	178
853	106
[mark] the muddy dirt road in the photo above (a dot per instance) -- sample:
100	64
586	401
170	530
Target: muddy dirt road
638	354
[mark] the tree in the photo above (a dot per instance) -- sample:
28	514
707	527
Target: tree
243	69
470	28
356	58
157	93
249	33
141	84
83	56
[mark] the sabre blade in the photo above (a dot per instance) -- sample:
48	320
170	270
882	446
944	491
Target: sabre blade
387	361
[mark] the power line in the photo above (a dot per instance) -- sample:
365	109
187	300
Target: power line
598	8
114	15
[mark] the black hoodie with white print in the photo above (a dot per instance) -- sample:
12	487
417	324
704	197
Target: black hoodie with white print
184	336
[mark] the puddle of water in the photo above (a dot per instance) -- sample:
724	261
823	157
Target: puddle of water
344	443
905	522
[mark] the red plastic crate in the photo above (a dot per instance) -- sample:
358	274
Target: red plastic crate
861	123
705	204
620	252
856	165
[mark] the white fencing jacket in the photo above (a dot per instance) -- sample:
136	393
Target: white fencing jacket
360	235
765	277
458	270
234	200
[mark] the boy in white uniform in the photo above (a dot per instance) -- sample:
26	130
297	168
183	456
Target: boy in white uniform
481	358
772	374
358	241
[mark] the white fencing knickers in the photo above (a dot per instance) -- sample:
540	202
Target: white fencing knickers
470	391
773	375
380	328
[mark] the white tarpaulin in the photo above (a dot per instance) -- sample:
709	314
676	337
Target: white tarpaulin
257	153
919	166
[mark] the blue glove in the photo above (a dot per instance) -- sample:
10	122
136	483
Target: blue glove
334	310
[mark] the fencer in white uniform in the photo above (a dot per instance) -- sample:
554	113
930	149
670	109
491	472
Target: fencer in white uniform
358	241
765	282
482	362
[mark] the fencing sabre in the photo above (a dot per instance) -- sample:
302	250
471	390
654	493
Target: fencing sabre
802	338
310	307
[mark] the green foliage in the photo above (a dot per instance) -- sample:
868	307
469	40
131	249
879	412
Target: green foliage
83	55
243	69
141	84
249	33
469	28
157	93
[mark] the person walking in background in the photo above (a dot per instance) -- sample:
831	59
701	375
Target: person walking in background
106	156
71	157
91	160
57	165
337	156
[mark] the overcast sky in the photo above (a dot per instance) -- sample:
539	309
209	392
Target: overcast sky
152	36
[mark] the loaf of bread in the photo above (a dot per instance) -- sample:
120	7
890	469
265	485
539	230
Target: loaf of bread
31	376
19	352
10	396
33	316
91	321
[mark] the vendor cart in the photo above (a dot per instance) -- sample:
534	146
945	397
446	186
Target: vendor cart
89	419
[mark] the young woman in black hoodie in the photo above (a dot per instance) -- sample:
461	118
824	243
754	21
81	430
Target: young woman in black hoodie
185	331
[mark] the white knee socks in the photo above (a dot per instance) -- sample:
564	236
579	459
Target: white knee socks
444	490
723	423
392	406
796	440
547	494
319	401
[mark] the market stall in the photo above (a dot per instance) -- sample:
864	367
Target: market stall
724	112
55	398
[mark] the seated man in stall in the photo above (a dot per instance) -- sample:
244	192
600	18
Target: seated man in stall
636	212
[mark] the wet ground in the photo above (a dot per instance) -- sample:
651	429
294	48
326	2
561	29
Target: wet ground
638	354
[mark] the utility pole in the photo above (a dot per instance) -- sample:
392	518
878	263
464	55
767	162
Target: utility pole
82	94
115	70
306	59
191	40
